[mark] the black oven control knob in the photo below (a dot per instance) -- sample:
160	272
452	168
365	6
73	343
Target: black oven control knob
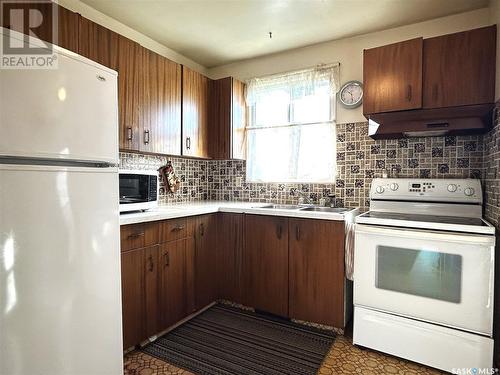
379	189
469	191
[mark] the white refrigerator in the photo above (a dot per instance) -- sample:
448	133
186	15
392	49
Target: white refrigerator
60	292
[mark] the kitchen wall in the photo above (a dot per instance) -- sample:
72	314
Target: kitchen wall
359	160
349	52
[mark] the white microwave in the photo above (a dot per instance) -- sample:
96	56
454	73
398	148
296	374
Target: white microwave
139	190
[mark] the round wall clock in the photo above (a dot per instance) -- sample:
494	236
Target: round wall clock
351	94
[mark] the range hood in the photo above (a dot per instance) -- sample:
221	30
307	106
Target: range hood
471	119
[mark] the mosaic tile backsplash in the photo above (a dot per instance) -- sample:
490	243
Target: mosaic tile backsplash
491	177
359	160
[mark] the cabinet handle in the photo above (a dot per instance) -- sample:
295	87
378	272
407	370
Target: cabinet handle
129	134
135	235
408	93
167	259
177	228
151	265
146	137
297	233
202	229
188	143
280	230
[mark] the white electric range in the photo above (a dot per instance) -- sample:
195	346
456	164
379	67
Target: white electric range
424	273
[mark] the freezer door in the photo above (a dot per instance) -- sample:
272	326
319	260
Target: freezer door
69	112
60	295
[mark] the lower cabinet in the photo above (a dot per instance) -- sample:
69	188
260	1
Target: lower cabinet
205	260
132	264
173	283
316	271
229	253
288	267
265	264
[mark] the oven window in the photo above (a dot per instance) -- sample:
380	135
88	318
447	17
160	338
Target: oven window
420	272
134	188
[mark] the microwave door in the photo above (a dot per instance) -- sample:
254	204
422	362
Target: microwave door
438	277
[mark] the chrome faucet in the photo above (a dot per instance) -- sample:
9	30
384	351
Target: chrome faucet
304	198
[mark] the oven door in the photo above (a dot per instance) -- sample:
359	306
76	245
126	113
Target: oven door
440	277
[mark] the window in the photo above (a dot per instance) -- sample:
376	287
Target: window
291	129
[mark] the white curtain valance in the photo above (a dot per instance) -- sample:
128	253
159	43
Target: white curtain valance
298	83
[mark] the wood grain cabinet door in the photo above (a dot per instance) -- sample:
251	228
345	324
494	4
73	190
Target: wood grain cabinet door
194	113
125	56
265	263
160	95
317	271
67	22
95	42
151	282
205	260
132	266
392	77
172	289
228	256
459	69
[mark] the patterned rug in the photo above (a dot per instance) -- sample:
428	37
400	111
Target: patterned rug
226	340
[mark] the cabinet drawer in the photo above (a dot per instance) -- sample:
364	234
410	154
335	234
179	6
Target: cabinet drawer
176	229
135	236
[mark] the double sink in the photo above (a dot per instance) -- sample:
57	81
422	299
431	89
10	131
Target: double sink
305	208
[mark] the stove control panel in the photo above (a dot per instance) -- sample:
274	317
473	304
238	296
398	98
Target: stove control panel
435	190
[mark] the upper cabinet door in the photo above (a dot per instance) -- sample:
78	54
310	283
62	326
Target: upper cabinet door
95	42
392	77
459	69
124	56
160	96
67	23
194	113
239	120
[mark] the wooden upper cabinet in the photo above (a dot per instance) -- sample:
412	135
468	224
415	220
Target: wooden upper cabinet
265	263
220	102
227	116
239	120
160	110
194	113
392	77
67	23
96	42
124	56
316	271
459	69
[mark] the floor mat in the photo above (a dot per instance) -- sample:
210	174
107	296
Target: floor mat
226	340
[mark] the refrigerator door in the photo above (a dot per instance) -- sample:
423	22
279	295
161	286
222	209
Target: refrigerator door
60	294
69	112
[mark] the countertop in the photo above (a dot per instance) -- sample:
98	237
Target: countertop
201	208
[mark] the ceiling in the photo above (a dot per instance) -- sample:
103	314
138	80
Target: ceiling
218	32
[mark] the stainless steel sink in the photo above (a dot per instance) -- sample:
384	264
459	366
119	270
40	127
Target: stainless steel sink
282	207
326	209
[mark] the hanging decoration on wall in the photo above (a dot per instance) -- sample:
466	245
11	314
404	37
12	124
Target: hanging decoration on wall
171	180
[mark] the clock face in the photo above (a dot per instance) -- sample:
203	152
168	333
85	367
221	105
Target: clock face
351	94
